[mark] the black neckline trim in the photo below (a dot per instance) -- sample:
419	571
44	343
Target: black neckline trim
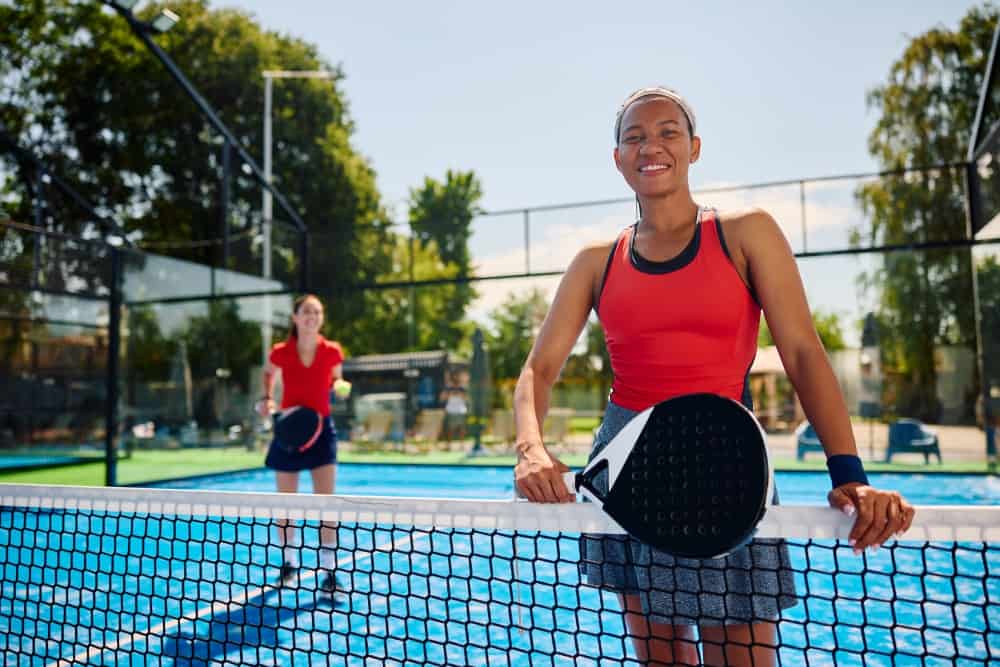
679	261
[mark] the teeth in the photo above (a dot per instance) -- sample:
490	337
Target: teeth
653	167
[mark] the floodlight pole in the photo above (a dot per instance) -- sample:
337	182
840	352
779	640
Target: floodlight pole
267	202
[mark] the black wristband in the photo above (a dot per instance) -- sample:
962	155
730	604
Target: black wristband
845	468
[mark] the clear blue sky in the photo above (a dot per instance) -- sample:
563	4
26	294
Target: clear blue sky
524	93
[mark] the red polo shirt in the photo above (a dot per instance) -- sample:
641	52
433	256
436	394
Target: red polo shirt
308	386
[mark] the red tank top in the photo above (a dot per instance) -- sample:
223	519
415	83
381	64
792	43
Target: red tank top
308	386
682	326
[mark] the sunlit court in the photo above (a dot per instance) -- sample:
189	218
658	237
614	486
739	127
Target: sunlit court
446	335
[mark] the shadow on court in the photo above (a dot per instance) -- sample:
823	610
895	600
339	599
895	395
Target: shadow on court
257	624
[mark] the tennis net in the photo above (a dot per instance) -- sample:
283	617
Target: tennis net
116	576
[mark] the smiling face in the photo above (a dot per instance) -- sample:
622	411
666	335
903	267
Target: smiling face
308	316
655	147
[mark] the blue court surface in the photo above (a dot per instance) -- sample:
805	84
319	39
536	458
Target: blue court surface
87	587
28	461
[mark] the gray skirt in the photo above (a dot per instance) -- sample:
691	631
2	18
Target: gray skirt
750	585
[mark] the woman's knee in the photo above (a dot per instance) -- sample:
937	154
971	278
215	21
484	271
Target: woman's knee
659	643
753	644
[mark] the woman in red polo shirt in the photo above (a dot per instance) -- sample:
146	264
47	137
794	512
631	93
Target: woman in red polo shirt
309	365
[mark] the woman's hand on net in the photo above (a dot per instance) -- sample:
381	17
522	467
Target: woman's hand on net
539	476
879	515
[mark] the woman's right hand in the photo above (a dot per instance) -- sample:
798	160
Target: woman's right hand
265	407
539	475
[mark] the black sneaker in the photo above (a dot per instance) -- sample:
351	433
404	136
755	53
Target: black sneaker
288	572
330	584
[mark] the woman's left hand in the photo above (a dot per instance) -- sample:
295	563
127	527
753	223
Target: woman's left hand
880	514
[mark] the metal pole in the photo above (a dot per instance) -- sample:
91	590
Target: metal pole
527	241
266	214
267	203
802	204
111	378
224	201
304	261
37	209
412	329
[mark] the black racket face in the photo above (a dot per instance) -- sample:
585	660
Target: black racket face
294	428
696	482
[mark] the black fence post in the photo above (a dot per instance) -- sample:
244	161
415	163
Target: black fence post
304	270
111	378
224	199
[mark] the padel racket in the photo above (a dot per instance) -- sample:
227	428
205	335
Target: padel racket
689	476
296	429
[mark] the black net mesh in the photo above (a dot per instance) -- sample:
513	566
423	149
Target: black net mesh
140	576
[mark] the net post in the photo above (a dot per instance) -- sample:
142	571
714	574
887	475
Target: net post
111	373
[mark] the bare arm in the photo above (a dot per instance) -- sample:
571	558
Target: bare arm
776	280
265	406
778	285
538	473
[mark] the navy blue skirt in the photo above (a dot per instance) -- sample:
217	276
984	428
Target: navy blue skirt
323	452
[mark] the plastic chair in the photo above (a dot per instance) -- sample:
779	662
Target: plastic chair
806	440
911	436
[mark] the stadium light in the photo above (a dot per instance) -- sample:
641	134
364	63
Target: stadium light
163	21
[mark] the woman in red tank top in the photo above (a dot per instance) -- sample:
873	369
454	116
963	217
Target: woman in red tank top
309	365
679	295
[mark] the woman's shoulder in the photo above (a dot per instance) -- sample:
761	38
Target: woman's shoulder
279	353
280	347
745	224
744	216
594	256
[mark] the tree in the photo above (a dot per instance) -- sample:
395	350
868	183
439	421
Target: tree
926	111
592	365
235	347
988	274
234	350
385	324
514	326
442	213
149	351
82	93
828	327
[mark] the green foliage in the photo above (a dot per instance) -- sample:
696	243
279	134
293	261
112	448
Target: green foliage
222	340
443	213
84	94
512	332
828	327
386	324
150	353
926	109
441	217
592	364
988	276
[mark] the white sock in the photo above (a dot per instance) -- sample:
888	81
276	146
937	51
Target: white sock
328	558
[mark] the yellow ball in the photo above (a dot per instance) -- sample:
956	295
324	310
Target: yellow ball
342	388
